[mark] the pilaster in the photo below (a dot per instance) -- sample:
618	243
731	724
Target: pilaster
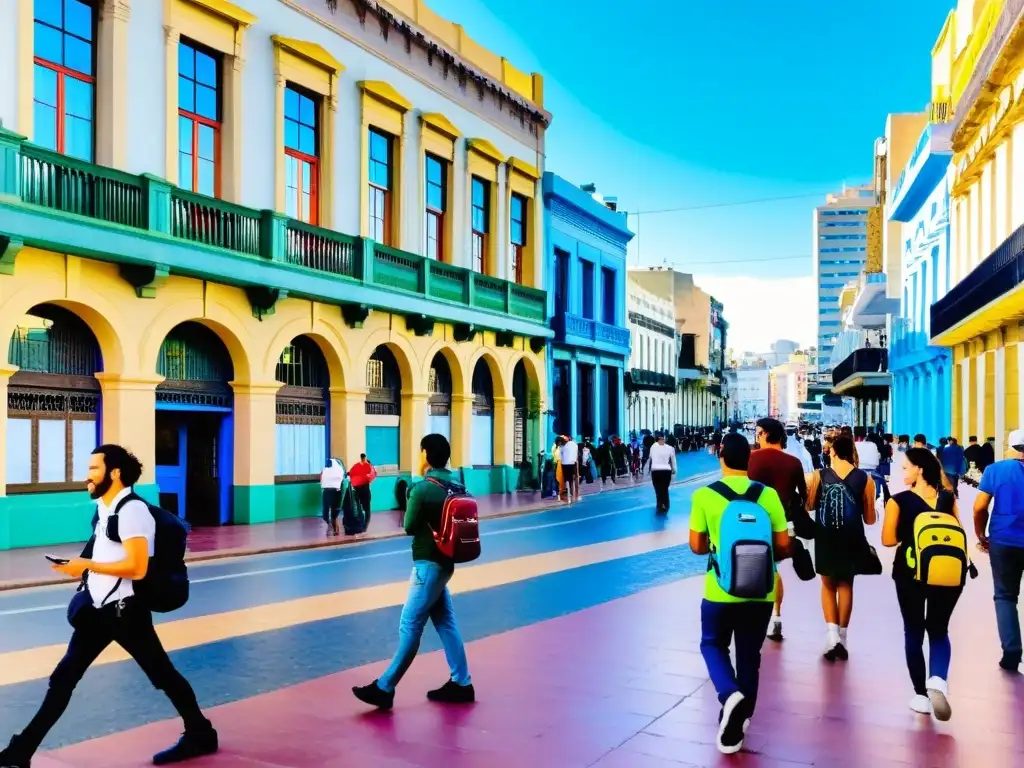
414	418
504	431
255	415
462	433
128	408
348	423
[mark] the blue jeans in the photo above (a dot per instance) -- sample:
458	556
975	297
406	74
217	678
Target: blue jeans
428	599
926	610
748	622
1007	571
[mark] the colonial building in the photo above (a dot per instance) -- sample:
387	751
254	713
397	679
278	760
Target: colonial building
651	381
980	51
239	240
586	272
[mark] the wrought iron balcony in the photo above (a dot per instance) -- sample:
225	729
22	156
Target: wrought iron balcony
153	229
640	378
582	331
993	279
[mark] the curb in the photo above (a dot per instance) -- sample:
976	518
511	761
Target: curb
235	554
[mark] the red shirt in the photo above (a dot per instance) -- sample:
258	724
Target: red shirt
777	469
362	473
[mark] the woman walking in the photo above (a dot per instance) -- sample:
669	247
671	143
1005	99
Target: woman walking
926	608
843	498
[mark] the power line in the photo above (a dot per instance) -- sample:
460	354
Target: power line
741	261
756	201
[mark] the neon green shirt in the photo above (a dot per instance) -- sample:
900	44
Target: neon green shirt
706	516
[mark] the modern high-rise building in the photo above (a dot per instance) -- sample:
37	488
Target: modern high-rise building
840	249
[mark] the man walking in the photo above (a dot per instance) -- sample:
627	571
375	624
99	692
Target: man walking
726	618
570	455
428	589
1001	534
782	472
663	466
109	613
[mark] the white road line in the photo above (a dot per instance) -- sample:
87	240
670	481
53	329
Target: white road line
372	556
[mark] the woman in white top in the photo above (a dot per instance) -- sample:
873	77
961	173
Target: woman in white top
663	466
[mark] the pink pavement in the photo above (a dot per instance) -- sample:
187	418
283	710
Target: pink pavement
623	685
27	567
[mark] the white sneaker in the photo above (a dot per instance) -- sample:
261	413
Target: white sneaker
937	691
921	705
731	730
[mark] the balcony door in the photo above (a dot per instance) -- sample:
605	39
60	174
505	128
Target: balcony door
561	282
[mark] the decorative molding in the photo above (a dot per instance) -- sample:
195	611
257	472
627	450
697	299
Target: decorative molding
146	279
570	214
524	168
9	250
484	148
441	124
386	93
312	52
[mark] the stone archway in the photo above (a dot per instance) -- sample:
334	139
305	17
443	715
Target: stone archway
482	430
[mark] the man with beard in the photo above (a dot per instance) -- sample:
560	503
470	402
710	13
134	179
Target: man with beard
110	613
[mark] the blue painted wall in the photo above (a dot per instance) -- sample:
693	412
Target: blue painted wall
923	374
587	233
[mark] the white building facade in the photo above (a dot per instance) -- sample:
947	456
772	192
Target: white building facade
651	386
751	397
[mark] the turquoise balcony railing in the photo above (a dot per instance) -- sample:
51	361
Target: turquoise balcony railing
50	180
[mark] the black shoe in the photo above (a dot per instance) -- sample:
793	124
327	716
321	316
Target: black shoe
731	722
841	653
1009	664
830	655
453	693
10	757
373	695
191	745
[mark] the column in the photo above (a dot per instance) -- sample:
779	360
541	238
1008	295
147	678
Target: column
934	405
128	407
1000	395
111	91
171	39
255	415
620	384
412	429
504	434
965	398
348	423
978	385
596	415
462	430
6	371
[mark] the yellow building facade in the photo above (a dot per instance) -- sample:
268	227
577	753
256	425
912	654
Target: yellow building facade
982	49
176	277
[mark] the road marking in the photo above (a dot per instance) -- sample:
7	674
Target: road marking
38	663
375	555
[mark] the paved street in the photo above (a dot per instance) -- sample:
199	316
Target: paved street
583	633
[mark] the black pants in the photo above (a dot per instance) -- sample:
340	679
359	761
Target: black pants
132	630
926	610
331	504
661	479
362	494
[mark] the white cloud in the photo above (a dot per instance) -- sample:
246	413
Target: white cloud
761	310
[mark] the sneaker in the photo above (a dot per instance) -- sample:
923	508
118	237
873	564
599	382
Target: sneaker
730	729
374	695
775	631
1009	664
938	689
10	757
921	704
191	745
453	693
841	653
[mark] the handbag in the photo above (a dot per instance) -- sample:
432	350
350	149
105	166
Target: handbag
867	562
81	608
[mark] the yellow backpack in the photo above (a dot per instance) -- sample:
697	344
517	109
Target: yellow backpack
938	556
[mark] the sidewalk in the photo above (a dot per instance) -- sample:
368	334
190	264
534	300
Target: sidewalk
623	685
27	567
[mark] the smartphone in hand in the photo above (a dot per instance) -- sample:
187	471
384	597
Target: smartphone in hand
57	560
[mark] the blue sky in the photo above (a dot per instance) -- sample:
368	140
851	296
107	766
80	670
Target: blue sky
676	103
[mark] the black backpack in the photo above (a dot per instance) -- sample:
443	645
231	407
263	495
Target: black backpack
165	587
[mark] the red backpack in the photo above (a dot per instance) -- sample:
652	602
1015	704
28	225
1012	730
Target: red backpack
459	537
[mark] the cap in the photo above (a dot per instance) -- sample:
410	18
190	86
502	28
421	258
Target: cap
1016	440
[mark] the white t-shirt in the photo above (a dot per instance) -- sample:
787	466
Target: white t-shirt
867	455
332	476
796	449
134	521
570	453
663	457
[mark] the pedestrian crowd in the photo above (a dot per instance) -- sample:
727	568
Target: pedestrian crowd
792	485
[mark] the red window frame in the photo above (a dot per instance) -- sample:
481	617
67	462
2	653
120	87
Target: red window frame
385	192
518	247
479	238
198	120
63	72
434	214
311	160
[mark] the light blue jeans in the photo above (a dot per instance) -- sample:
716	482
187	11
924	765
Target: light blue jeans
428	598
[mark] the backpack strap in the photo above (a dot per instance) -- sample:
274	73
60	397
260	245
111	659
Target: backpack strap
753	492
130	497
724	491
